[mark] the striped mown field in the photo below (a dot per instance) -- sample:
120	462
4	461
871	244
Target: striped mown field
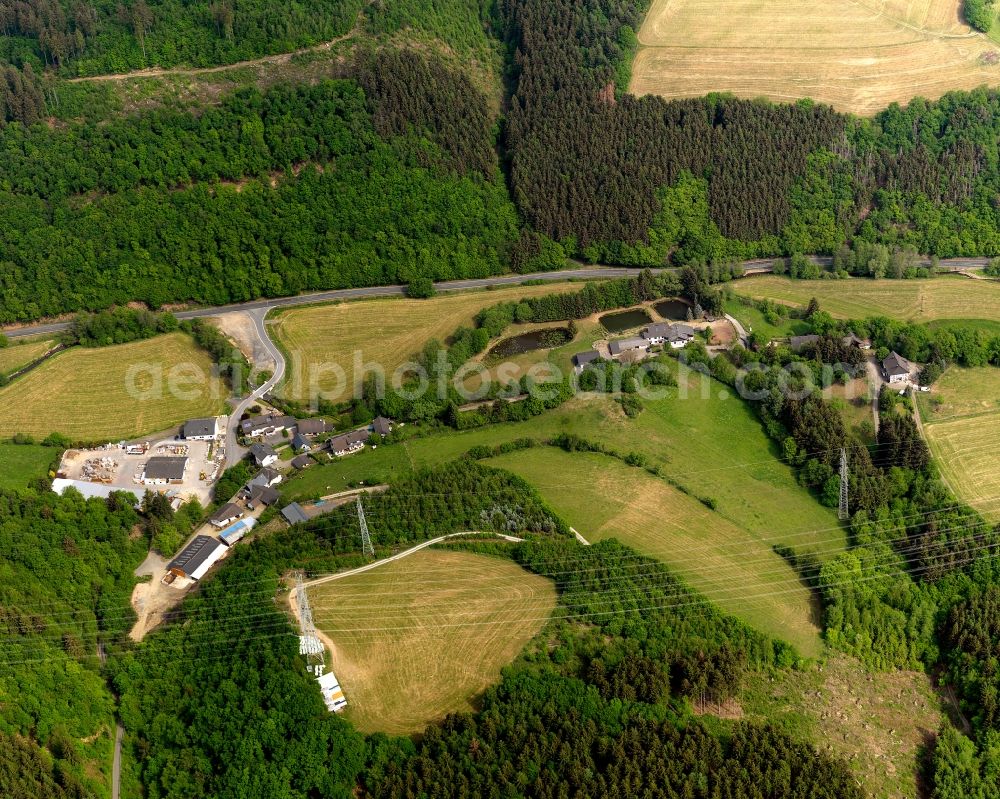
322	338
962	423
944	297
421	637
113	393
856	55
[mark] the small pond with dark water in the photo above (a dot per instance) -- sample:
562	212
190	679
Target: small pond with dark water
624	320
532	340
674	309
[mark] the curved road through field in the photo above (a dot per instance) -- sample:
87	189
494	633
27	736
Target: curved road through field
234	452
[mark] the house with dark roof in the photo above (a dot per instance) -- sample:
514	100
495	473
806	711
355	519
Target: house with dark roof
294	514
164	470
312	427
676	335
262	495
201	429
227	514
381	426
348	442
299	443
581	359
627	344
266	477
197	557
266	425
896	368
263	454
302	461
656	333
799	343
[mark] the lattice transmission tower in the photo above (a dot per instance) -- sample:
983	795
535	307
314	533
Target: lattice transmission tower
843	513
366	541
309	643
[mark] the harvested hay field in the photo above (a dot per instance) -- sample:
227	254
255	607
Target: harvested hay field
855	55
384	332
421	637
733	567
949	297
20	354
962	425
966	452
111	393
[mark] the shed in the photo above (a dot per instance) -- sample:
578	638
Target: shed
799	343
294	514
333	694
235	532
626	344
581	359
382	426
226	514
302	462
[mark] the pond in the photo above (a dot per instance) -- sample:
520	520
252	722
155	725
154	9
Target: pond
532	340
625	320
674	309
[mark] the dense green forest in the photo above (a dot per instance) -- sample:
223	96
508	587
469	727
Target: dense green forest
166	219
67	572
394	173
90	38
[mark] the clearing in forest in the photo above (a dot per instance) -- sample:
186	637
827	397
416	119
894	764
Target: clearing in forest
739	571
881	723
948	297
856	55
421	637
384	332
113	393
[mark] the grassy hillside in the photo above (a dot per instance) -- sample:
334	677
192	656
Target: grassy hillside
945	297
18	354
712	445
603	498
113	392
422	637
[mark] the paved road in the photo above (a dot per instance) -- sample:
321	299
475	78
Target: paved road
755	267
358	293
116	764
234	452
